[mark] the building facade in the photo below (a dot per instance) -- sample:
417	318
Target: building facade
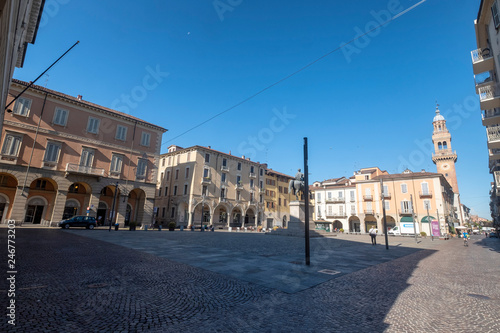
335	205
277	199
486	66
19	21
200	186
407	197
62	156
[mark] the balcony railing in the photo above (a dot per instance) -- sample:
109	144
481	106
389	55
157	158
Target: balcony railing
493	133
483	79
239	186
368	211
353	212
425	194
84	170
406	212
488	97
335	215
206	180
491	117
335	200
386	195
368	197
252	175
482	61
224	168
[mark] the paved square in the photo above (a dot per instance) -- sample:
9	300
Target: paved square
100	281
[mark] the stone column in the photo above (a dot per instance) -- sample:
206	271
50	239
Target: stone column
19	206
121	209
59	204
147	212
93	203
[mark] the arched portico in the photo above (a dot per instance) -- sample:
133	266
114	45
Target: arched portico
354	224
221	216
236	217
250	218
370	221
198	218
36	209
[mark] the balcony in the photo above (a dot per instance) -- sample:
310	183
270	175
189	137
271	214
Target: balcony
494	154
494	165
353	212
83	170
336	215
489	97
261	190
491	117
368	211
206	180
386	195
493	134
335	200
425	194
482	61
239	186
252	175
406	212
483	79
367	197
224	168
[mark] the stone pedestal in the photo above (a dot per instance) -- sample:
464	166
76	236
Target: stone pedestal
298	216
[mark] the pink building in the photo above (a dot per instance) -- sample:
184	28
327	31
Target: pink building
62	156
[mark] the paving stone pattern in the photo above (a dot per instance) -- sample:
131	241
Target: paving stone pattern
100	281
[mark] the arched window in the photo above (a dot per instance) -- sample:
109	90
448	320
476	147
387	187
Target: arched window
445	146
440	127
440	146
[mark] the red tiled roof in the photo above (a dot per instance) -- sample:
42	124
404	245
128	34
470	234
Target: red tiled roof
86	103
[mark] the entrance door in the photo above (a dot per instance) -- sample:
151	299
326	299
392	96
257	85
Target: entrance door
34	214
2	208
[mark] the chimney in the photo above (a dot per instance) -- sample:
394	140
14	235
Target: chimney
79	97
209	147
243	156
229	152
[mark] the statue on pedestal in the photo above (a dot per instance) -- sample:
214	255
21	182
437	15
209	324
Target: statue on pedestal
297	184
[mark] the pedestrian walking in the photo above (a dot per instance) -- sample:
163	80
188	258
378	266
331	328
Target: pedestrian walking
373	235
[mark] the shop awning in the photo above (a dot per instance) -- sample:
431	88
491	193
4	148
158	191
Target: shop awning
406	219
431	218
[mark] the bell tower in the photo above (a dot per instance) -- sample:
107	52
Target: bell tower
443	156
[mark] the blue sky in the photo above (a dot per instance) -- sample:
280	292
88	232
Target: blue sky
368	104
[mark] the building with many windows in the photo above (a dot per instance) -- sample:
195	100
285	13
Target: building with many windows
19	26
408	196
277	199
486	66
62	156
201	186
335	205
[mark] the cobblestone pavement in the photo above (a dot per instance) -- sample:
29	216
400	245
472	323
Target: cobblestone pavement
69	283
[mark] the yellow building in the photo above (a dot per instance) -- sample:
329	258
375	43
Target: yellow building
277	199
408	196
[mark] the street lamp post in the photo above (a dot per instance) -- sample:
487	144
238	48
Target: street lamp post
113	207
202	206
383	212
430	224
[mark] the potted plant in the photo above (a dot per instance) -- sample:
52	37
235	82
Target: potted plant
423	234
132	225
341	230
171	226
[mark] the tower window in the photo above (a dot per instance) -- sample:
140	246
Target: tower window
440	146
445	146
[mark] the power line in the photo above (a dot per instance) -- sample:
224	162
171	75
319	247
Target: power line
298	71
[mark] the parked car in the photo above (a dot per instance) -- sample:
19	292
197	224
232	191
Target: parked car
88	222
493	235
